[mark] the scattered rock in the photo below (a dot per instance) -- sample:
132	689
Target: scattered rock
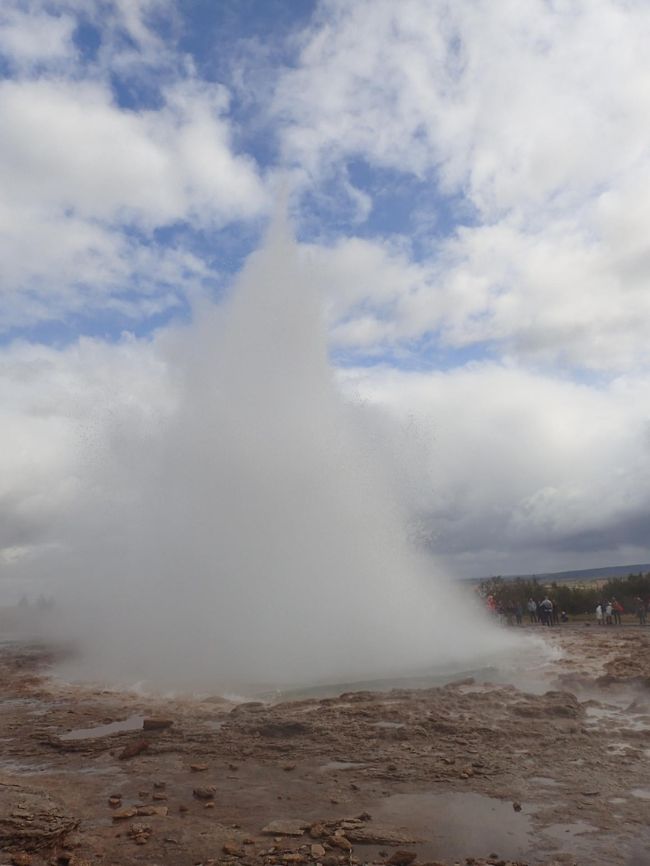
152	810
30	819
516	806
156	724
205	792
317	851
198	768
140	833
123	814
379	835
21	858
159	786
159	795
343	843
133	749
232	849
285	828
114	802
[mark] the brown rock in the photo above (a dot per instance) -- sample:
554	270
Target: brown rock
205	792
232	849
198	768
379	835
159	795
133	749
123	814
317	831
294	857
343	843
285	828
152	810
209	804
156	724
401	858
114	802
516	806
317	851
140	833
21	858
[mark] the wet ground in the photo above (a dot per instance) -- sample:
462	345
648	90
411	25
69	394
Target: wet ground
463	772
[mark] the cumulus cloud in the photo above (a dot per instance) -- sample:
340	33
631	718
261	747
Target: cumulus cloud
82	174
35	37
532	115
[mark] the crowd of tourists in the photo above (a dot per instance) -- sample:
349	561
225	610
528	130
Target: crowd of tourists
547	612
609	612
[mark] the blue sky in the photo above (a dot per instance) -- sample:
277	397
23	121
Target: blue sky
468	180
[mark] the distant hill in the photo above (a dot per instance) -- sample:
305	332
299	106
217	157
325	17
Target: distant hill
582	575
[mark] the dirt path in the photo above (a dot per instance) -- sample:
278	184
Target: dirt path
467	770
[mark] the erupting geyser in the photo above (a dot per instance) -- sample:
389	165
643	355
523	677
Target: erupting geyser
245	535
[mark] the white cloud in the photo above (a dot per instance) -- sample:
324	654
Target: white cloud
533	113
79	172
66	145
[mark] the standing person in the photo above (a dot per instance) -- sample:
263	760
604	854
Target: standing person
640	609
556	613
608	613
599	614
617	609
532	609
547	607
519	613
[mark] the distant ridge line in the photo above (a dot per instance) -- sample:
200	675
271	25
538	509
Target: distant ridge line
575	575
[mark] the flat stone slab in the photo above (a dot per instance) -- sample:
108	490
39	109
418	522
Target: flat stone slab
287	827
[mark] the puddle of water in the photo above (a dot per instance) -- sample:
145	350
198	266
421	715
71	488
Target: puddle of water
214	726
578	838
133	723
341	765
458	825
617	801
641	793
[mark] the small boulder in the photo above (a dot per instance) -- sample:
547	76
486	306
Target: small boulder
205	792
133	749
287	827
156	724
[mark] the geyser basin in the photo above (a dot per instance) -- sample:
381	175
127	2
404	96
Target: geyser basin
243	532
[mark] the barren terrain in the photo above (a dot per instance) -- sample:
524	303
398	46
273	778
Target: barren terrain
465	772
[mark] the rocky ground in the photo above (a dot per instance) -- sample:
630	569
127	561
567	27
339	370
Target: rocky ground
463	773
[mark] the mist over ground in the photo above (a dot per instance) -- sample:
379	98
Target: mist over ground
248	530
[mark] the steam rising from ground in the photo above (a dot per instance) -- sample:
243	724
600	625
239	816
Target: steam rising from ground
247	534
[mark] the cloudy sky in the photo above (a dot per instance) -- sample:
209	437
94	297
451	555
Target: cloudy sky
469	182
